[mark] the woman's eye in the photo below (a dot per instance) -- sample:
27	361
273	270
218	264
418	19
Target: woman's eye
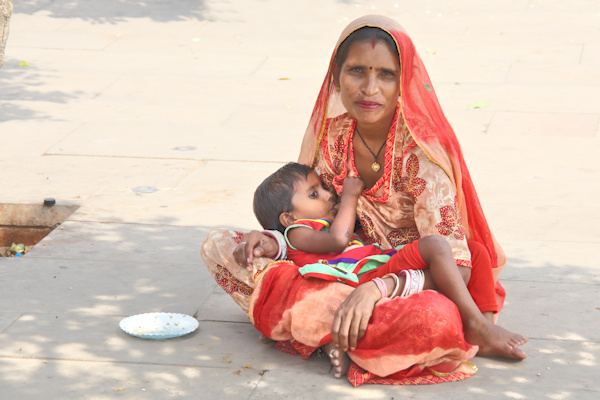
356	69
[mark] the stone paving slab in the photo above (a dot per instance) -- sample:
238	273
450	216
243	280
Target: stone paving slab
216	194
562	262
565	125
555	98
121	243
218	307
88	338
30	143
545	222
58	285
561	311
7	318
58	379
39	177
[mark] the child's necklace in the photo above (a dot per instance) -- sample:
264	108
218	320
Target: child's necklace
375	166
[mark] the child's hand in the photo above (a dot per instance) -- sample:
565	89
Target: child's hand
353	186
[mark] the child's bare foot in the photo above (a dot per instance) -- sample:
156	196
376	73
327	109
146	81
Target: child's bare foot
493	340
266	340
339	359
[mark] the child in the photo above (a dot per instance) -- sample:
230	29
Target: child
319	230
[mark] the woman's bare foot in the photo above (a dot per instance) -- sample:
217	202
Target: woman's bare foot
493	340
339	359
266	340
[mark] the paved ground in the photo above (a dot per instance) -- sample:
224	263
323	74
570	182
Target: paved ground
115	87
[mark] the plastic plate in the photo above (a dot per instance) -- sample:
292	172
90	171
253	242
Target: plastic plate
159	325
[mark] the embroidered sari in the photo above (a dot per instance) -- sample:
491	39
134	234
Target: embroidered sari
425	189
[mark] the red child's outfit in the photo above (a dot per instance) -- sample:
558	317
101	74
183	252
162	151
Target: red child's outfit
360	263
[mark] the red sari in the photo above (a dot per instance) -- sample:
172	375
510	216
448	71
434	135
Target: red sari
413	340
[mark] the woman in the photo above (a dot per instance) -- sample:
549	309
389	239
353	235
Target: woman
376	117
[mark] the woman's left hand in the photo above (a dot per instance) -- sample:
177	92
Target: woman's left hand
254	244
352	317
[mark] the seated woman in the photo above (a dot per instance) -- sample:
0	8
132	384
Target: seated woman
377	118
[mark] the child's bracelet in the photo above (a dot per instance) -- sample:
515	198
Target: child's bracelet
407	276
396	285
381	286
415	280
281	244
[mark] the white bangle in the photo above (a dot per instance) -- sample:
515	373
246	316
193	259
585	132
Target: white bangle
281	244
396	284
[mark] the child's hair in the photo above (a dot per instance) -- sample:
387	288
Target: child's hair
273	197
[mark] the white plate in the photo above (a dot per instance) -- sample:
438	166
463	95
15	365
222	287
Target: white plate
159	325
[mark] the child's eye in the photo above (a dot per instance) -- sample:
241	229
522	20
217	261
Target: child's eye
313	195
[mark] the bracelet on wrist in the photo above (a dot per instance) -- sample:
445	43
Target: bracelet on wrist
281	243
381	286
396	284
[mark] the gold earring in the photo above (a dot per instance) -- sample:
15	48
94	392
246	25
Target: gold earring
337	89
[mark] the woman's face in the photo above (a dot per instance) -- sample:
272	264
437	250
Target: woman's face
369	83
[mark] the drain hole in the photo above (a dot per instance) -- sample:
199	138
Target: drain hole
22	226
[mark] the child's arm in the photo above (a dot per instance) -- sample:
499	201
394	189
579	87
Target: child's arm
340	231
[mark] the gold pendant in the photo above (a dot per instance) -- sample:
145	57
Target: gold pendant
375	166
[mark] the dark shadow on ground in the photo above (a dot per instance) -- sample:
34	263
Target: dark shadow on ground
26	84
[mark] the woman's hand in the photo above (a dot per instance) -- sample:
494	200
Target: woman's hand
254	244
352	317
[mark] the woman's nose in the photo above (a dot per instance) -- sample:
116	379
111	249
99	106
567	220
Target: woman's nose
371	86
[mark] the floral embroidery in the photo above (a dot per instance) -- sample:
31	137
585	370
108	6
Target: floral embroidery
412	184
328	182
358	376
369	227
397	174
229	283
238	237
451	224
403	236
294	347
337	149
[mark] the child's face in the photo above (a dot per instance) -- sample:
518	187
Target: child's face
311	200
